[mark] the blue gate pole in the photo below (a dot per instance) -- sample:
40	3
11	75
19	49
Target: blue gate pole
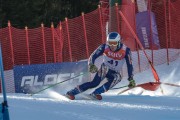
5	111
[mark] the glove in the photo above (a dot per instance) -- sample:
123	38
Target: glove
132	82
92	68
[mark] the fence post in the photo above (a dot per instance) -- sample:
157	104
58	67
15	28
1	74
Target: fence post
60	41
149	12
11	45
101	24
167	39
139	61
43	40
53	42
85	35
27	44
69	42
169	23
169	42
117	17
136	44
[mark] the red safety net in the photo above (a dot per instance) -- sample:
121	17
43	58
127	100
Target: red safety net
75	39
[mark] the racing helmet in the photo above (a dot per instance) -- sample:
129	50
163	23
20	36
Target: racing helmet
113	39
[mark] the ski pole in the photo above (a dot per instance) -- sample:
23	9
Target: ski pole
119	87
57	84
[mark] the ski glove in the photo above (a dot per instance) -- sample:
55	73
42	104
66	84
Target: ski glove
132	82
92	68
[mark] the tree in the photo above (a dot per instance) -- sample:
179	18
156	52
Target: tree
32	13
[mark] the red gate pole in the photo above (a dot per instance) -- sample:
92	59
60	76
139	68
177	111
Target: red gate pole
138	41
27	44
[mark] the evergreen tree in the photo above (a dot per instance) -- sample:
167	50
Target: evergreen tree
32	13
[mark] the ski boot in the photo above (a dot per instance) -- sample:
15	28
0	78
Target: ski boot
70	96
96	96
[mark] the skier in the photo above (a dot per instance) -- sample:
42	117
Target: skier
115	53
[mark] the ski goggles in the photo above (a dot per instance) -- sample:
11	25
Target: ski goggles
112	43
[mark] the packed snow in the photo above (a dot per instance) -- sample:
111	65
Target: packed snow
136	104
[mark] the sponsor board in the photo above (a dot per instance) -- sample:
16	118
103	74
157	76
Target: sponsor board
31	78
147	30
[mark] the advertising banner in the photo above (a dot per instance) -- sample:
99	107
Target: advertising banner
32	78
147	30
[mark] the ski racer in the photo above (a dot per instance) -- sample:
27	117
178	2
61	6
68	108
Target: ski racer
115	53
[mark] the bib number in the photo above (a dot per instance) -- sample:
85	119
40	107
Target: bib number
113	62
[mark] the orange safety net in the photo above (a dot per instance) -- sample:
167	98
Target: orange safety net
75	39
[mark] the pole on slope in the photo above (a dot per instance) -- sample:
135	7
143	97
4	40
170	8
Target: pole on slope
119	87
138	41
50	86
5	112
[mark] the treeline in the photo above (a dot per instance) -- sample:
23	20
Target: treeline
32	13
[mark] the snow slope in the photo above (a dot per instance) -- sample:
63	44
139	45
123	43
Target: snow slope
149	105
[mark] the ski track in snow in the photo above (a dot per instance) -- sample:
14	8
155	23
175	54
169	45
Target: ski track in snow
103	103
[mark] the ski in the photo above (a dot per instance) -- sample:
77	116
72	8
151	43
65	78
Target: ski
126	90
151	86
84	97
91	97
170	84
